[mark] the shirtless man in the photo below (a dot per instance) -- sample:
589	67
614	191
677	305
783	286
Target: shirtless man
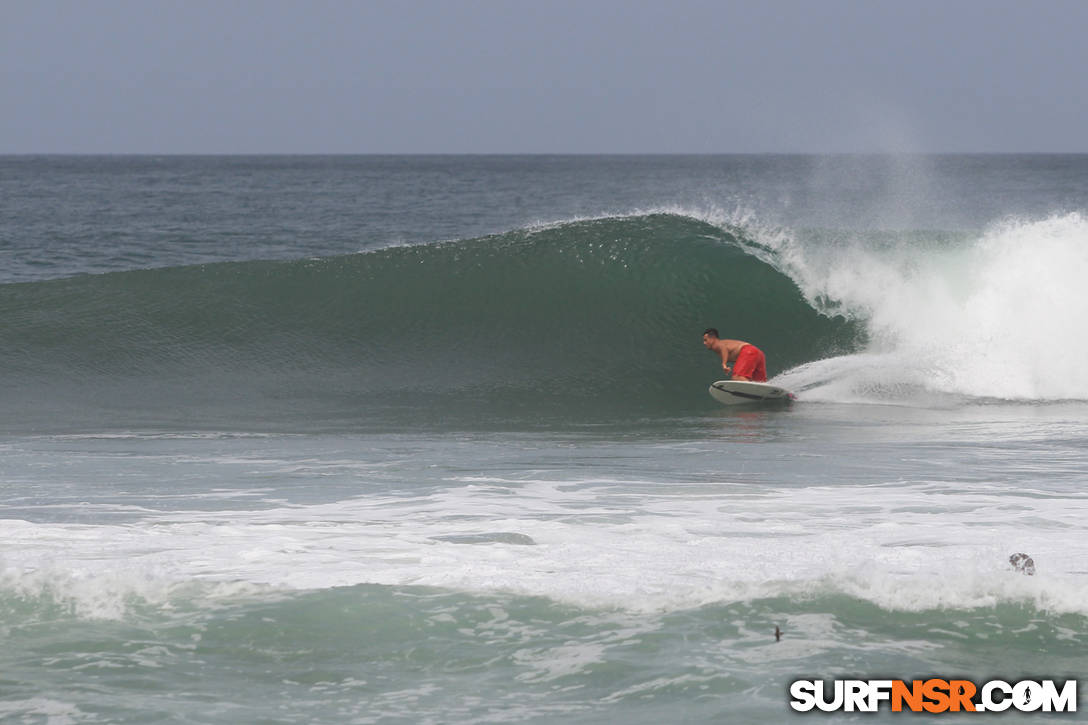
748	360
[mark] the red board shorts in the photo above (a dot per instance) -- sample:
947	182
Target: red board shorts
751	364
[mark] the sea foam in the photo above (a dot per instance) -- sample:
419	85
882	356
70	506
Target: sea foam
996	316
595	543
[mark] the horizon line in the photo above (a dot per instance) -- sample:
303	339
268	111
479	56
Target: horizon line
535	153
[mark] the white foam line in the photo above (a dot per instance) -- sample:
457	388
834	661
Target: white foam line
902	548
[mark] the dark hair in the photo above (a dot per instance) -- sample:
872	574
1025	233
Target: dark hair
711	331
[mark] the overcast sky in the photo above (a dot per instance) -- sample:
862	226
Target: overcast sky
542	76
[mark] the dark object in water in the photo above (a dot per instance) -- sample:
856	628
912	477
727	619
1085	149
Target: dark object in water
1023	564
777	633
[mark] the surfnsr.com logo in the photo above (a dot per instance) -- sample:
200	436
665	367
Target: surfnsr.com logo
933	695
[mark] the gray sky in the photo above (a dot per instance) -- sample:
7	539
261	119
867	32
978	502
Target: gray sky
542	76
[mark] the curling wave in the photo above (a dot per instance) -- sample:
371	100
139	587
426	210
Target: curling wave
590	316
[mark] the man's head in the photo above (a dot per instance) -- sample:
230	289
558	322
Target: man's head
710	336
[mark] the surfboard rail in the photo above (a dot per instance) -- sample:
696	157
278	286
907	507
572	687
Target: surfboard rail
737	392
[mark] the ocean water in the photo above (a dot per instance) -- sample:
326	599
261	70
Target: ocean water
427	439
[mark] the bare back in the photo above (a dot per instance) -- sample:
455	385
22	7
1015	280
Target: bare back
729	349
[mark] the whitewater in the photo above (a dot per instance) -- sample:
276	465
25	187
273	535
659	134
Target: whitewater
429	439
994	317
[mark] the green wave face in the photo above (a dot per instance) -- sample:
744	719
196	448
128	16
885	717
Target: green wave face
587	318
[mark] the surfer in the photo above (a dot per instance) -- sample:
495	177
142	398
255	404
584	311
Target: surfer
749	362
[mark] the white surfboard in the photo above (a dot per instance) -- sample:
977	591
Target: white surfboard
736	392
